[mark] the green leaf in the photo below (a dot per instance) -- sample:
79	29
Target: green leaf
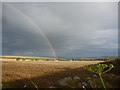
99	68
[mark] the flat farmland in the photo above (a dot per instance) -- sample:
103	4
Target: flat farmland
42	73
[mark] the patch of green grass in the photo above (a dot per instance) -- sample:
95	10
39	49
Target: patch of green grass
23	59
63	60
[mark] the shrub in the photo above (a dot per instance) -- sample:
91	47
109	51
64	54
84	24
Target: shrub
36	59
17	59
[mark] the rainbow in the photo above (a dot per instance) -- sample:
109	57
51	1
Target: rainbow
35	25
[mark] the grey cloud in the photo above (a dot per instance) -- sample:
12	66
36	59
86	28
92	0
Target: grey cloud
74	29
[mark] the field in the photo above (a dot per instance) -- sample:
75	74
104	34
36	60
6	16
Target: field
45	74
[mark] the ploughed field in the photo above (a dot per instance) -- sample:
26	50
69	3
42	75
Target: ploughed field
45	74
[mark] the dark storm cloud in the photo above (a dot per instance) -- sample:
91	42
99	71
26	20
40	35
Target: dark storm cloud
74	29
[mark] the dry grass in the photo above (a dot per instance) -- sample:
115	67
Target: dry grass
24	57
38	68
44	73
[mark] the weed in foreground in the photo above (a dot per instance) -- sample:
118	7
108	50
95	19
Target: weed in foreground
100	69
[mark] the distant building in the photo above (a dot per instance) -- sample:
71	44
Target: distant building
55	60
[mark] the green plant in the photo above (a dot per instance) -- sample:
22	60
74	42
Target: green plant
100	69
17	59
36	59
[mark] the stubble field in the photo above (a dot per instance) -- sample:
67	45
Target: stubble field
40	73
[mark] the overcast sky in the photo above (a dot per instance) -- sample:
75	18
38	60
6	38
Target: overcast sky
73	29
0	29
